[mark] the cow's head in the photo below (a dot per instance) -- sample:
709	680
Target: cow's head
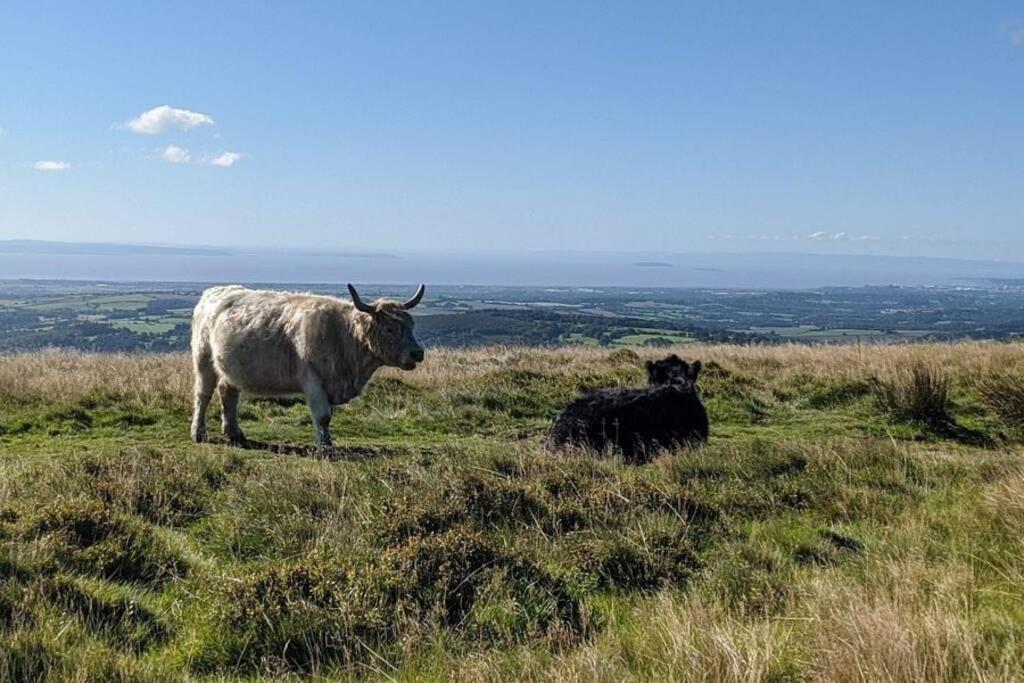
389	332
672	370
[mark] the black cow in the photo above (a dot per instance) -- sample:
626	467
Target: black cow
640	421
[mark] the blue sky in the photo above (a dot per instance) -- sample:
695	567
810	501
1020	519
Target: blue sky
867	127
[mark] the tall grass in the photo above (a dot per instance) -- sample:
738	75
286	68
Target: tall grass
1004	393
919	393
67	376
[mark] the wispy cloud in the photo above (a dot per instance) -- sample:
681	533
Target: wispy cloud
164	118
817	236
226	159
3	131
51	165
176	155
822	236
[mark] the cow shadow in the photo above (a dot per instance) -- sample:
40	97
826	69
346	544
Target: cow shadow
349	453
953	430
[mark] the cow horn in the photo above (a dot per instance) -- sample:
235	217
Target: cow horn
415	298
365	308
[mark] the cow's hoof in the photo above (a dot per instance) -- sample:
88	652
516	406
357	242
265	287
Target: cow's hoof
323	439
199	435
237	438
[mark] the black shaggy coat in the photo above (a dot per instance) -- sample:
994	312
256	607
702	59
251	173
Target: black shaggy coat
638	421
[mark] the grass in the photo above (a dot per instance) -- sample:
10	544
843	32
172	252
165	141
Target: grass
919	394
1003	391
835	527
150	325
640	339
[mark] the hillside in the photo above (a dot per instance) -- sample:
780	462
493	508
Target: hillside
857	515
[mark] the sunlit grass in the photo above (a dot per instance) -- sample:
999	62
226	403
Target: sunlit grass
823	534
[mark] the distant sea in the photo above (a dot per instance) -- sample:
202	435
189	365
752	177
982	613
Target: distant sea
133	263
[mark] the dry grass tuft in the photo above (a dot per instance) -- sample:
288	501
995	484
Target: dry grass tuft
1004	393
919	393
861	634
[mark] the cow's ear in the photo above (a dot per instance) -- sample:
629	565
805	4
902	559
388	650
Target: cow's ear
650	370
693	371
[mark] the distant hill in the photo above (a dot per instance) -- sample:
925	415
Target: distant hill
102	249
33	259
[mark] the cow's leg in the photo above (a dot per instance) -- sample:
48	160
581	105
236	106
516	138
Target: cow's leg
229	413
319	408
205	383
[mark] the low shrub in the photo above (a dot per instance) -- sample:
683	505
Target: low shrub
157	485
84	535
301	617
631	563
555	503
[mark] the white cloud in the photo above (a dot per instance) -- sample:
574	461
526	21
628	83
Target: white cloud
822	236
51	165
226	159
3	131
164	117
176	155
818	236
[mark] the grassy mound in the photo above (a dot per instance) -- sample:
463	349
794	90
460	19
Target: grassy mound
83	535
308	615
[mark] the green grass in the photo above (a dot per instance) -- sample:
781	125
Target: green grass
576	338
821	535
149	325
70	302
840	332
84	303
667	336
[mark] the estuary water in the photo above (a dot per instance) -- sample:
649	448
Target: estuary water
565	269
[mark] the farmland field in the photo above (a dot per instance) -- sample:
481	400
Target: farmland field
100	316
856	515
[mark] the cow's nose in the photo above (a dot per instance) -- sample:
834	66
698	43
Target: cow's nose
417	355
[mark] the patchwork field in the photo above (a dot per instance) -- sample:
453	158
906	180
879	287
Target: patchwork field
857	515
155	317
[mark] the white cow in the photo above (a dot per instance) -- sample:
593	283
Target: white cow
267	343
